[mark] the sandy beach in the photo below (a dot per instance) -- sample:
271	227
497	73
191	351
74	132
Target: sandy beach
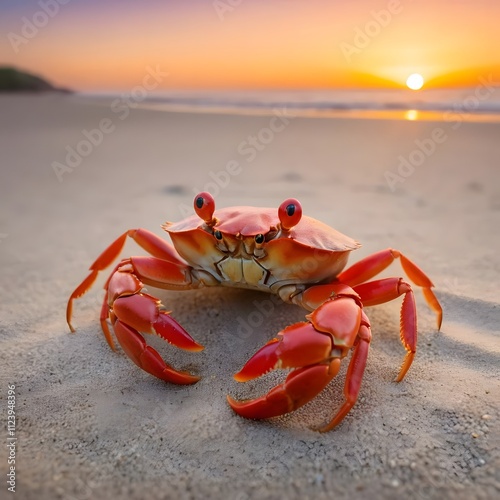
76	173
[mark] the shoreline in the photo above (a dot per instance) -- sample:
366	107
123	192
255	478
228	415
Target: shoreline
369	111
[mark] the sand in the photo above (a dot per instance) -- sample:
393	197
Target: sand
91	425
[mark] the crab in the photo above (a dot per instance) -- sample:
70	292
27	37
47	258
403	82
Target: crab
278	251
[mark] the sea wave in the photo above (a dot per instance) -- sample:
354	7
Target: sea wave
478	102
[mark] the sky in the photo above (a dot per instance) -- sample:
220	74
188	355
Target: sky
94	45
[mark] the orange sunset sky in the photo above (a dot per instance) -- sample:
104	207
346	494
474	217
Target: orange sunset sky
95	45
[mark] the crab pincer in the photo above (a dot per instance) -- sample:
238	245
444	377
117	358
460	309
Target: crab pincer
315	349
140	313
298	346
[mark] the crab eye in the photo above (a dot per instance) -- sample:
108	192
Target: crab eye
204	206
290	213
218	235
259	239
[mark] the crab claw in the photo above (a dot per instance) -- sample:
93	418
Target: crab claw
298	346
299	388
148	358
141	313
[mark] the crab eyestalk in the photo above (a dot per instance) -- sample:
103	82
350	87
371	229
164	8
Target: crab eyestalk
204	206
289	213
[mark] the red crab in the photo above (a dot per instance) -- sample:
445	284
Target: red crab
276	251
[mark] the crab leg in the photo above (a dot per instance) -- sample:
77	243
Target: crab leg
385	290
372	265
147	240
354	378
315	348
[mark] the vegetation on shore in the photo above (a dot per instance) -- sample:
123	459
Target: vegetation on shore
14	80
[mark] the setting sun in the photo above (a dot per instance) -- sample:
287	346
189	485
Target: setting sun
415	81
213	45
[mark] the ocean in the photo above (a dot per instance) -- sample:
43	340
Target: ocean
479	103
